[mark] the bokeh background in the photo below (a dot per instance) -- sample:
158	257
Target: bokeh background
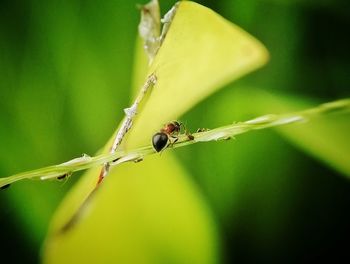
66	73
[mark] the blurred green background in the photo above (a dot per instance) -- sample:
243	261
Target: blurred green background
65	75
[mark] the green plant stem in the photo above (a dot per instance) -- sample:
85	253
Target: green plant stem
221	133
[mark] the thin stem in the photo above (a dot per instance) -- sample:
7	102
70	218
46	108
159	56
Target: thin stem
216	134
130	113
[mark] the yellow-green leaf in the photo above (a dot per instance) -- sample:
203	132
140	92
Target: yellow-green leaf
326	137
201	52
148	212
151	212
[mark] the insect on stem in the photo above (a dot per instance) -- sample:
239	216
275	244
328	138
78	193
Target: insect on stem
130	113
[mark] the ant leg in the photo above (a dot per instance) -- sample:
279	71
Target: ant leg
189	136
202	130
172	142
187	132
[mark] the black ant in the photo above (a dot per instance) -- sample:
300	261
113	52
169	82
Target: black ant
64	176
5	186
167	133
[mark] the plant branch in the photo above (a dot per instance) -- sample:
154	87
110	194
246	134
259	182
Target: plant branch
221	133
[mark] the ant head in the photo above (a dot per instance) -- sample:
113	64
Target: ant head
177	123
